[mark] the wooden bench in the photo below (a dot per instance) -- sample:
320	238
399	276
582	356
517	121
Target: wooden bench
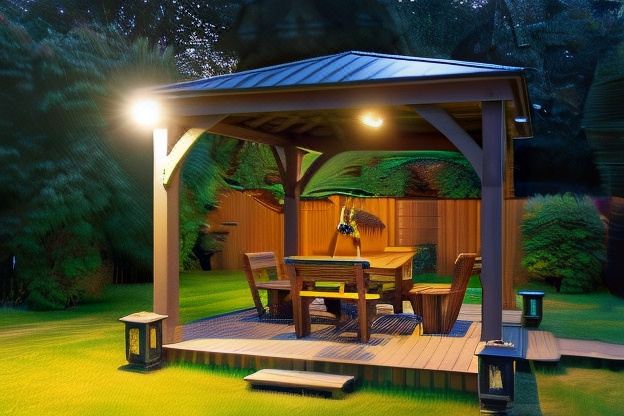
305	272
336	385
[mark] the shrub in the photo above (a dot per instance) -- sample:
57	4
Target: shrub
564	241
424	259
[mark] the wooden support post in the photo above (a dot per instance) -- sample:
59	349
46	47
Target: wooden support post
291	157
166	236
494	139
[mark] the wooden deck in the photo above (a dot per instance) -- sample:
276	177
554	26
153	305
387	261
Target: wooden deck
414	360
542	346
590	349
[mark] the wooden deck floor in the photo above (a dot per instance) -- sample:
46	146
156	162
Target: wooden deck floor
412	360
590	349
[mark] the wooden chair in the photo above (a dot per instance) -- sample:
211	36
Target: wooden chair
263	272
304	273
439	304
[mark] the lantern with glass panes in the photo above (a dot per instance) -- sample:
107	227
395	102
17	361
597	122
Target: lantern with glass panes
144	340
496	376
532	307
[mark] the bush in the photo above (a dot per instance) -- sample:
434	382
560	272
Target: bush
424	259
564	242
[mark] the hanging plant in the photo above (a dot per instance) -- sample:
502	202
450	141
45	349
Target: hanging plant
347	225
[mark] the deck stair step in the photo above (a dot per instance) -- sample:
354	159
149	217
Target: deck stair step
334	384
542	346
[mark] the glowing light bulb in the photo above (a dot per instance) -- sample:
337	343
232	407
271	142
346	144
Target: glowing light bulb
146	112
372	120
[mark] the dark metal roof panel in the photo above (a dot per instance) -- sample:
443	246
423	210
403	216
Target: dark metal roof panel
347	67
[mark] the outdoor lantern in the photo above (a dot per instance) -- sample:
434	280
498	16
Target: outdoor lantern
496	377
144	340
532	307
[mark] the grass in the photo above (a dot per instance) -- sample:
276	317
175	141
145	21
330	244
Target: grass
66	363
573	391
594	316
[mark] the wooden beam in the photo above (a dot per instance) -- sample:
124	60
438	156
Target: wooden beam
314	122
166	237
354	96
445	124
292	192
261	120
492	209
409	141
243	133
286	124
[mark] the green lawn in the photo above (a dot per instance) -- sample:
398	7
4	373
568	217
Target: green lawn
595	316
577	391
66	363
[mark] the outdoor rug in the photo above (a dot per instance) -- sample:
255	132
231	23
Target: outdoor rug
247	324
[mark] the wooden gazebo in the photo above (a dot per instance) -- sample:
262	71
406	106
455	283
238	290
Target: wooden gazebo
316	104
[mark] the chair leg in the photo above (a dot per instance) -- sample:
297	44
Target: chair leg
432	314
296	306
363	329
305	316
417	304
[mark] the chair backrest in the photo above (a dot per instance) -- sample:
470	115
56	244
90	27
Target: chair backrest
260	267
461	275
327	270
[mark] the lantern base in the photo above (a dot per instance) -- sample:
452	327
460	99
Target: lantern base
531	321
495	405
141	368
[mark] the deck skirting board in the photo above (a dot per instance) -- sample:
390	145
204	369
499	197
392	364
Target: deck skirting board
368	374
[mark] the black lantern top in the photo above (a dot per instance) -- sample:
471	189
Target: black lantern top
501	348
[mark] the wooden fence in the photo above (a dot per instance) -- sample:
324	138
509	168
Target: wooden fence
452	225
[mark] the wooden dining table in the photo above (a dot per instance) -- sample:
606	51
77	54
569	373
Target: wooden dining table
395	264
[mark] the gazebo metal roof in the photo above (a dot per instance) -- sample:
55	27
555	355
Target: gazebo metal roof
342	68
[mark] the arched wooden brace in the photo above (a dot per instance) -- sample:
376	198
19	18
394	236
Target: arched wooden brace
447	125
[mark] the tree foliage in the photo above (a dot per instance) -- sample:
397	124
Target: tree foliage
68	206
563	241
202	179
190	27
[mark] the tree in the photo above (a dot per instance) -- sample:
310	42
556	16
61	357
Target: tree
604	125
190	27
560	43
563	241
269	32
72	207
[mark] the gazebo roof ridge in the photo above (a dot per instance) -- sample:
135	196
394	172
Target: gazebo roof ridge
344	68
